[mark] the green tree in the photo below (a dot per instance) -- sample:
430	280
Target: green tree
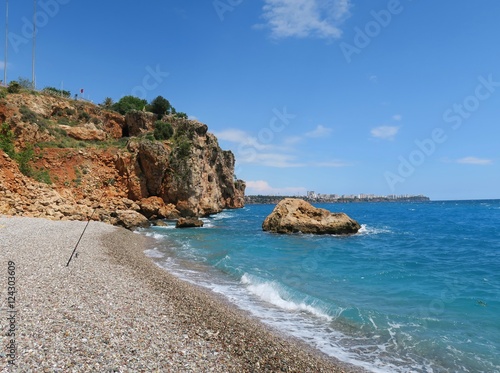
163	130
129	103
108	103
160	106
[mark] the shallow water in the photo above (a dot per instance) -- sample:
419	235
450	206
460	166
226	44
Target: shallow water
416	290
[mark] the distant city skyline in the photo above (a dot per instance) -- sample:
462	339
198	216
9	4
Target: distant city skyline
391	97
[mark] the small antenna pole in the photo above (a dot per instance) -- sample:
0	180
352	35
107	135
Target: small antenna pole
86	226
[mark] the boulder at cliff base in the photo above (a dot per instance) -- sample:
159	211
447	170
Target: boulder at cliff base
293	215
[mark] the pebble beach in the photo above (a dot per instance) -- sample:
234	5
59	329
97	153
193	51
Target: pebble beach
113	310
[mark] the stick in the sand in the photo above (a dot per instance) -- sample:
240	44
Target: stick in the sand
84	229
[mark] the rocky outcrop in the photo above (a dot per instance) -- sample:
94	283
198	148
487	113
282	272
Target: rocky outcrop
295	215
189	223
120	182
129	219
84	133
155	208
190	171
139	122
204	181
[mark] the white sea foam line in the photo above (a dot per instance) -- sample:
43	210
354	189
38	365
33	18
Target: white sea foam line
154	253
365	229
293	324
288	323
270	292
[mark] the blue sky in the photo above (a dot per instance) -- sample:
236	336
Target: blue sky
336	96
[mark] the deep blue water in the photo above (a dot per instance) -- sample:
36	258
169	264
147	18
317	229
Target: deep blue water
417	290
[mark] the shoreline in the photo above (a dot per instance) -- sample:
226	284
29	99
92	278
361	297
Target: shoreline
113	308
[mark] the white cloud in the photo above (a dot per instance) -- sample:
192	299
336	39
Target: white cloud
373	78
385	132
242	138
475	161
249	150
292	140
263	187
333	163
270	159
319	131
305	18
397	117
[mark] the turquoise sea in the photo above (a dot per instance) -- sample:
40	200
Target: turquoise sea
417	290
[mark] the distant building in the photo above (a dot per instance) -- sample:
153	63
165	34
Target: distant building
311	194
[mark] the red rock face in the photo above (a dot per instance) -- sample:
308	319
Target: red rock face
189	175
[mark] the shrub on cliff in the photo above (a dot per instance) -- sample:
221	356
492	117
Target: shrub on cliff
14	87
129	103
7	140
160	106
181	115
28	115
57	92
163	130
25	83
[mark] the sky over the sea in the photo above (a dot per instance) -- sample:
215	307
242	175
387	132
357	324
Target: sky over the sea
335	96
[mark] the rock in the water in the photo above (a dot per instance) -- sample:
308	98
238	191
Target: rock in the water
189	223
295	215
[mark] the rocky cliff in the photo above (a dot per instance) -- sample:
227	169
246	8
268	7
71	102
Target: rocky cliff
63	158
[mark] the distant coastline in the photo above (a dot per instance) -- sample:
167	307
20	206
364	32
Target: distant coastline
332	198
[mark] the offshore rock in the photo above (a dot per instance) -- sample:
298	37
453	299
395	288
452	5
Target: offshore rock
293	215
189	223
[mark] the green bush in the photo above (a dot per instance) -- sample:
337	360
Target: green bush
84	116
184	148
181	115
163	130
3	93
14	87
7	140
129	103
28	115
42	176
24	158
57	92
64	121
